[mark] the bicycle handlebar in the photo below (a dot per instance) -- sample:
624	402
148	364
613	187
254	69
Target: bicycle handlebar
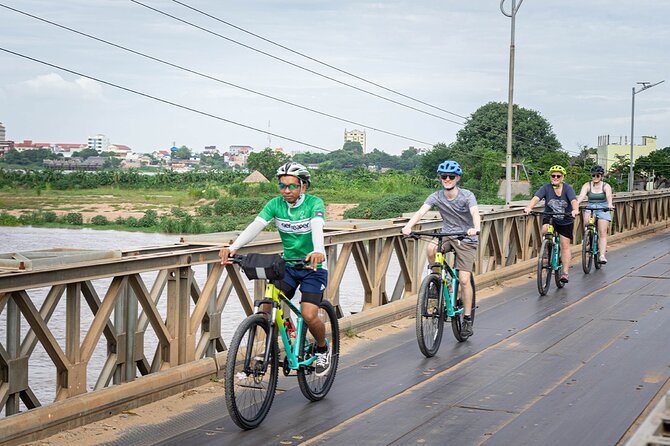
418	234
598	209
297	263
549	213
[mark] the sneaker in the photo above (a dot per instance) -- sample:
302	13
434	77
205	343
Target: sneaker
466	328
322	362
564	278
602	260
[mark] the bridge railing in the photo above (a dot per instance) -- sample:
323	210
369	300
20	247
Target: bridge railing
155	321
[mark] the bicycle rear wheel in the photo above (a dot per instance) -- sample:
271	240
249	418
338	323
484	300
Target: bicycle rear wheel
316	387
457	320
544	266
249	383
430	315
587	251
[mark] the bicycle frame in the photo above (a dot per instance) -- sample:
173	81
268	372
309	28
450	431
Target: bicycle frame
593	226
274	297
450	284
556	250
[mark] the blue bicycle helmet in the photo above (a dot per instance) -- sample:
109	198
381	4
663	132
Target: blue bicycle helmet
450	166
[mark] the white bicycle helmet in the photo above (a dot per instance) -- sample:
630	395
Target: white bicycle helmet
295	170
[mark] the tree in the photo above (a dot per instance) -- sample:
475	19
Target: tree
487	127
267	161
656	163
85	153
182	153
353	147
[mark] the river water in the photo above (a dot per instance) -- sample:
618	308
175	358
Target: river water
42	372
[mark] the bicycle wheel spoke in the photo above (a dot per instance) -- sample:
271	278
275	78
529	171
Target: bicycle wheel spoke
430	315
250	382
312	386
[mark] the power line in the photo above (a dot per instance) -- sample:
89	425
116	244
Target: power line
173	65
164	101
294	64
313	59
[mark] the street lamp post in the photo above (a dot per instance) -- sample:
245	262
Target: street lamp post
645	85
510	102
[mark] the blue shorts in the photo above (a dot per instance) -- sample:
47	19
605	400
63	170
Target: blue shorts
312	284
605	214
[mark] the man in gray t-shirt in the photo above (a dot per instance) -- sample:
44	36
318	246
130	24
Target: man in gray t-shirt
460	214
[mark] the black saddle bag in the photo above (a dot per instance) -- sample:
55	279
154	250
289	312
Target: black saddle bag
264	266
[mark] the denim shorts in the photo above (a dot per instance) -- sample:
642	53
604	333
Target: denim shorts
601	214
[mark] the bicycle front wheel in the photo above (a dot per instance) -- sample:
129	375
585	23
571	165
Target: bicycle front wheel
430	315
250	383
457	320
312	386
544	267
587	251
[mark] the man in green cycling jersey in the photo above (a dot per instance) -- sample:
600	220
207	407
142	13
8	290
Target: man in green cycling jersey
460	214
300	219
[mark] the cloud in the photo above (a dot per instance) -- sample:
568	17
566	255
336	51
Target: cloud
53	85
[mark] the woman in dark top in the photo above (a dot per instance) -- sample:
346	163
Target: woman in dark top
558	197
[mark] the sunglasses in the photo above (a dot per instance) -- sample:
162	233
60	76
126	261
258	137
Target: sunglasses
596	175
556	176
444	176
283	186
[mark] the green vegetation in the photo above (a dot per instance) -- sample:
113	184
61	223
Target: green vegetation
383	185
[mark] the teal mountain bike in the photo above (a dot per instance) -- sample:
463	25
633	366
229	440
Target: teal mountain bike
253	362
438	299
549	258
590	250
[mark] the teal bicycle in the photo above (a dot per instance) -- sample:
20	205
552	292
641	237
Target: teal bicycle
590	250
253	357
549	258
438	299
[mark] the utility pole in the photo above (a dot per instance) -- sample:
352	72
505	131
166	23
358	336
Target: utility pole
510	102
645	85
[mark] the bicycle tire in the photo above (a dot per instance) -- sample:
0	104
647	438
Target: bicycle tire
544	267
457	320
587	251
430	315
313	387
250	393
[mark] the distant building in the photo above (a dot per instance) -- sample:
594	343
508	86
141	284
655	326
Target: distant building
243	150
607	151
210	150
5	146
28	144
98	142
119	150
355	136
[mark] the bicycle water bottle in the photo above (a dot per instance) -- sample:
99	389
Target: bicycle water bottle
290	329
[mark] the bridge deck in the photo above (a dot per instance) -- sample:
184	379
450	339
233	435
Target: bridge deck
577	366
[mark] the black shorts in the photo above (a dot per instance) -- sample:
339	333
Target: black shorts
564	230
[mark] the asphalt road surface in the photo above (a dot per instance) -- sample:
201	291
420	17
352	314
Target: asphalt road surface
574	367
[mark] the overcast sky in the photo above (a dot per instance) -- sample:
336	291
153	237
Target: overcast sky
576	62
